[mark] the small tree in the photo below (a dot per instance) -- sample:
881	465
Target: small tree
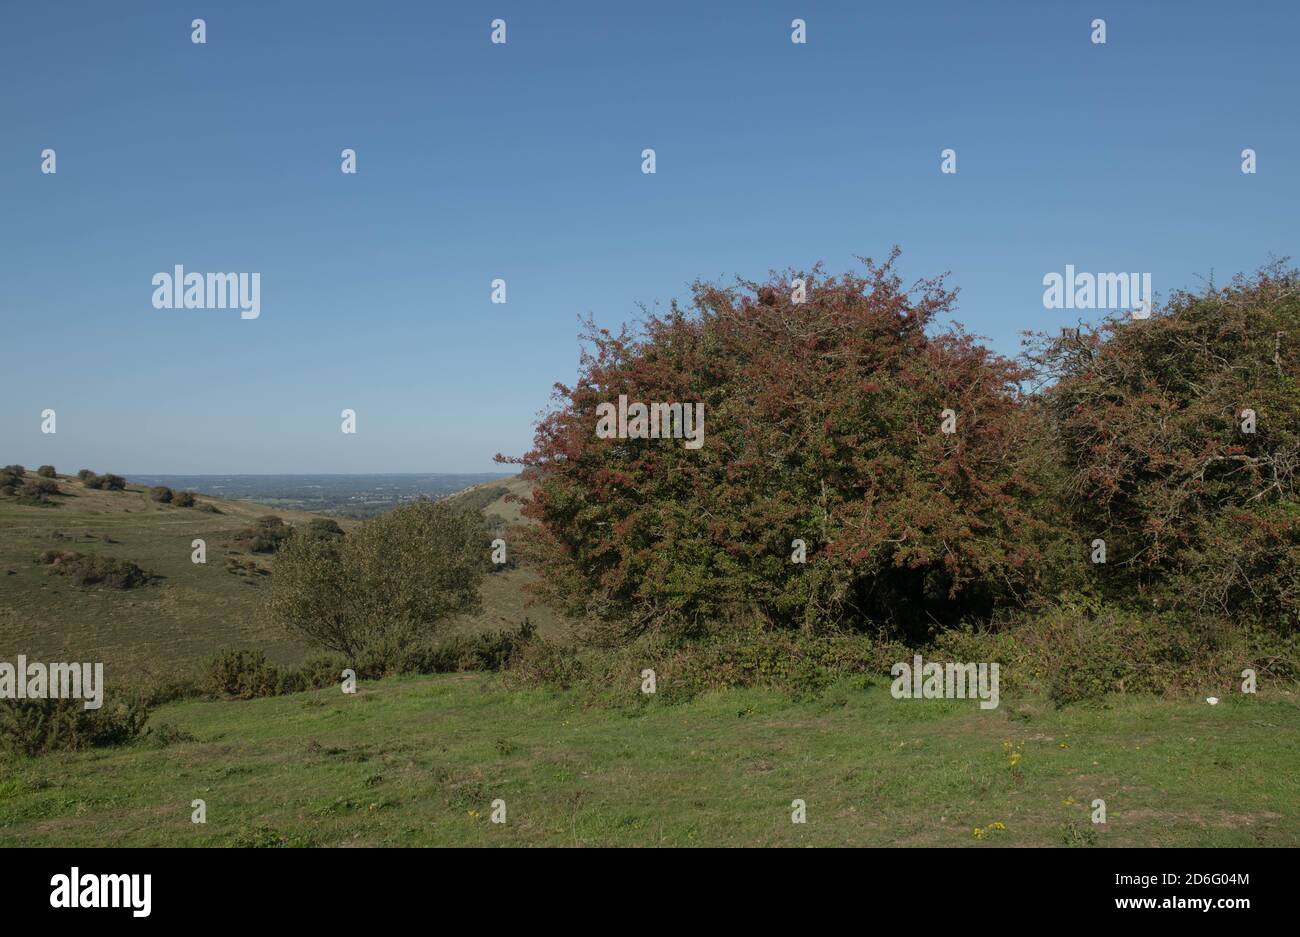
384	587
46	471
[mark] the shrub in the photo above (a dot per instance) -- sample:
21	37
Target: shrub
323	528
10	481
798	664
543	663
84	474
1197	515
161	493
823	424
15	469
36	726
183	499
107	482
37	491
486	651
322	670
384	587
268	535
87	569
46	471
239	675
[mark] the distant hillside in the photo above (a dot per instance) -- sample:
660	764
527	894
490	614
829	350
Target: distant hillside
187	611
504	594
357	496
493	498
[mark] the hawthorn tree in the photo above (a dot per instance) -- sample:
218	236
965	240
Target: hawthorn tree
1180	437
823	423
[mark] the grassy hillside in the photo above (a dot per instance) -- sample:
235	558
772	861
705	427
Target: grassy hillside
504	595
418	761
189	610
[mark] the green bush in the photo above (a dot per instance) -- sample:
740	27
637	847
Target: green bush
240	675
384	588
268	535
46	471
800	665
542	663
323	670
107	482
33	727
10	481
37	492
323	528
183	499
161	493
88	569
84	474
1199	512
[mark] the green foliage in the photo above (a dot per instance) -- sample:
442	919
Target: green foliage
10	480
801	665
1148	416
268	535
240	674
385	587
89	569
183	499
33	727
823	424
46	471
323	528
107	482
161	493
36	491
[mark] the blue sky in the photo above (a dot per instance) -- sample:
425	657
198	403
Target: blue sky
522	161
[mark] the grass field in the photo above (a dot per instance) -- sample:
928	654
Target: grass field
191	610
418	761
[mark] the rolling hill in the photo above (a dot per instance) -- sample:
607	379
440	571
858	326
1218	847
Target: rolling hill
187	610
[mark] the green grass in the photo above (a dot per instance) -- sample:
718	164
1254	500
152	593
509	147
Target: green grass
411	761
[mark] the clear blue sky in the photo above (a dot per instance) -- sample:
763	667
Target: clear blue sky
522	161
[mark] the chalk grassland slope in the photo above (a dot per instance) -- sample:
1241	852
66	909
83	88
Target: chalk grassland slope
190	610
505	600
419	761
